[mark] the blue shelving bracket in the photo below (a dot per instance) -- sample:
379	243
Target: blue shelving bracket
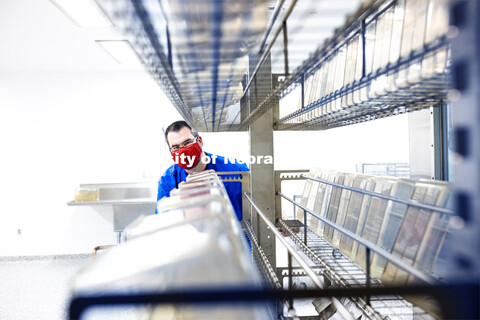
464	258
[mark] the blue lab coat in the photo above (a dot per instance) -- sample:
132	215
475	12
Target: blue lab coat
174	175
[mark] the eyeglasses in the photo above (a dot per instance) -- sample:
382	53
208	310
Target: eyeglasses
185	144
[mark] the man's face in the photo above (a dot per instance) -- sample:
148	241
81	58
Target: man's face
180	137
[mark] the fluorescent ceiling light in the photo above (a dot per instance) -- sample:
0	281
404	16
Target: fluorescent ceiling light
121	51
84	13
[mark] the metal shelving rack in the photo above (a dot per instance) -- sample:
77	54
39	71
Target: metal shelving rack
466	133
346	274
343	104
201	76
200	66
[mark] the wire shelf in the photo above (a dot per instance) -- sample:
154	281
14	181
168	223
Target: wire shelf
265	269
394	61
342	272
195	50
390	57
269	276
132	18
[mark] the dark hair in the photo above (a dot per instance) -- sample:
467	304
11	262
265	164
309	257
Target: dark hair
177	126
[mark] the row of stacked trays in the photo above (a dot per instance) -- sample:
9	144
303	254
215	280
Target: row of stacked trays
195	242
397	61
416	235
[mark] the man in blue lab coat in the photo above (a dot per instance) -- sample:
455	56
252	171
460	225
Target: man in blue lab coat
186	148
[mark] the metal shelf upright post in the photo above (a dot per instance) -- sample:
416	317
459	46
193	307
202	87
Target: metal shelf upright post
261	143
465	253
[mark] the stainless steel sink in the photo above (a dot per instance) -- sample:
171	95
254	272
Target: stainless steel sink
129	200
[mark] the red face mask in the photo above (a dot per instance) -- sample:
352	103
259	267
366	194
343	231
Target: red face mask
187	157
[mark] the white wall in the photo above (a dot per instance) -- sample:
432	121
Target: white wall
422	152
227	144
61	129
383	140
341	149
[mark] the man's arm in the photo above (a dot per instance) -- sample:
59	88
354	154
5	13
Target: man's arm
162	192
164	188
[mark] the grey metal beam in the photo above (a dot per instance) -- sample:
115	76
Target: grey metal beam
261	144
304	264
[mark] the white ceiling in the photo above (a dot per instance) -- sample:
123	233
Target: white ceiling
36	36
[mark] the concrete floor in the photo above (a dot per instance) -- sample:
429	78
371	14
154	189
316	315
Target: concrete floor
37	287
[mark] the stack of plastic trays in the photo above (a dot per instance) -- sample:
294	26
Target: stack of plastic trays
435	64
400	31
391	223
169	213
320	90
414	25
371	219
327	82
424	22
305	197
336	102
342	207
313	195
202	183
326	203
314	92
419	241
320	87
357	208
353	70
316	193
394	51
391	38
333	205
197	189
308	85
360	95
383	39
432	256
299	106
321	201
411	243
193	242
331	65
